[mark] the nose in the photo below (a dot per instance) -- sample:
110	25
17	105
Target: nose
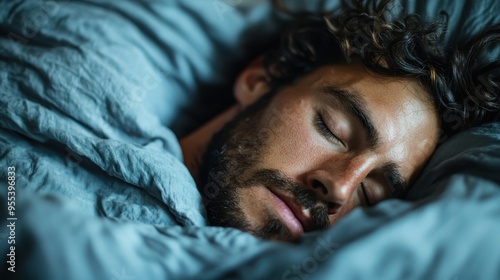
336	182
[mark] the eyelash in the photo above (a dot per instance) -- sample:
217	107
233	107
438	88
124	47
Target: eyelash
320	123
365	195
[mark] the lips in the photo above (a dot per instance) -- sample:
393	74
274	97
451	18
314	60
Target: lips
291	213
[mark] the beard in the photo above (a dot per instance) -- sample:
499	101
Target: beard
229	166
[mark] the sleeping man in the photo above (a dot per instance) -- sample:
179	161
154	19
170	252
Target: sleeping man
344	113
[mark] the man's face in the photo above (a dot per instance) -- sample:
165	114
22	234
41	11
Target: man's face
299	160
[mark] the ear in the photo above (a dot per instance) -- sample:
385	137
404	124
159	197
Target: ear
251	84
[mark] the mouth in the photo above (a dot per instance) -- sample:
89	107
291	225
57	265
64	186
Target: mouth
291	213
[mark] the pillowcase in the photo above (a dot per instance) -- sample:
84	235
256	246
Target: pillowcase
475	152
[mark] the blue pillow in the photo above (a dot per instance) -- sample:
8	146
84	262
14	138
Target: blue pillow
475	152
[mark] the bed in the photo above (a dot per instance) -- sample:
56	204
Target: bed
93	95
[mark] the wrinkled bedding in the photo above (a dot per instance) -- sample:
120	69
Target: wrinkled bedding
93	95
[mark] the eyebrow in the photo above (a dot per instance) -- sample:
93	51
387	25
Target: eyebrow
355	106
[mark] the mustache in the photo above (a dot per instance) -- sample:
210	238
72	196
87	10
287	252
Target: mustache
274	179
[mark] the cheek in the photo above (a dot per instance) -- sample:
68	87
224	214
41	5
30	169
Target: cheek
289	153
290	145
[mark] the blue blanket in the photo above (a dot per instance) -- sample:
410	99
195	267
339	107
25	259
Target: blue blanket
93	95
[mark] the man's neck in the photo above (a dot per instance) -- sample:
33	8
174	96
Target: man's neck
195	144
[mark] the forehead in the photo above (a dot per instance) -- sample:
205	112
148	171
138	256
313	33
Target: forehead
399	108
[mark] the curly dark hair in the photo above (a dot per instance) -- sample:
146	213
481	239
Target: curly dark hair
463	82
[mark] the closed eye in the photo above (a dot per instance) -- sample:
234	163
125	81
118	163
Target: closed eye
323	129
